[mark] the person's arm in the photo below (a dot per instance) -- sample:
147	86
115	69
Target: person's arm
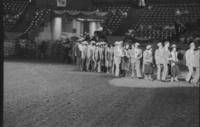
140	55
156	56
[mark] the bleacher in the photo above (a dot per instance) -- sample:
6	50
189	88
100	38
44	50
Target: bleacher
13	10
117	14
158	20
14	6
39	17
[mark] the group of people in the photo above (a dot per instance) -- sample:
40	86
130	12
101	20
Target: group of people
129	60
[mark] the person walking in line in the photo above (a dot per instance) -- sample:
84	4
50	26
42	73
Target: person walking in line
90	54
108	58
126	60
83	49
132	60
174	64
166	56
159	59
148	63
42	50
190	60
96	56
93	53
103	63
138	56
101	56
112	57
197	66
118	54
78	54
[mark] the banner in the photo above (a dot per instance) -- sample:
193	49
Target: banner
61	3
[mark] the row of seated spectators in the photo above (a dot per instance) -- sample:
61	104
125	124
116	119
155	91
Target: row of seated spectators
171	1
154	31
169	13
160	19
14	5
112	1
117	14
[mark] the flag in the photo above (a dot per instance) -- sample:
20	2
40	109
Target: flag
61	3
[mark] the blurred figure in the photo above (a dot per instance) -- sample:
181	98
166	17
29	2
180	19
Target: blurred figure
197	66
159	59
132	60
174	64
108	58
166	56
90	54
138	56
142	3
118	54
112	64
101	57
96	56
42	50
126	60
83	49
190	60
148	63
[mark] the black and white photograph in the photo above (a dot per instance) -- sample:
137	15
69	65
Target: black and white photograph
101	63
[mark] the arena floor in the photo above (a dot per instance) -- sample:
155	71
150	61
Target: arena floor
58	95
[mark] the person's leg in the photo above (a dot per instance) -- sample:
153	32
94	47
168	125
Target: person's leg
138	69
197	75
177	73
189	75
158	71
81	64
165	72
132	70
87	64
99	66
173	71
117	70
146	76
113	68
107	68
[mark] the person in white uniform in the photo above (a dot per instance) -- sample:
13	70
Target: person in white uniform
118	54
138	56
159	59
90	54
166	57
197	67
190	60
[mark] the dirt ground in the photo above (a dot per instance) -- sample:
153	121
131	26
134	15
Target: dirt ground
58	95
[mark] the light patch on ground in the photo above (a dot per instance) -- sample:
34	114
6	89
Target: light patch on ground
141	83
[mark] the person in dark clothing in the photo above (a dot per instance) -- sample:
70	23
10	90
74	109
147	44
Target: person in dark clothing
42	50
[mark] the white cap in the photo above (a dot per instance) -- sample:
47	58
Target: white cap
173	46
137	44
159	44
92	42
148	47
84	42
